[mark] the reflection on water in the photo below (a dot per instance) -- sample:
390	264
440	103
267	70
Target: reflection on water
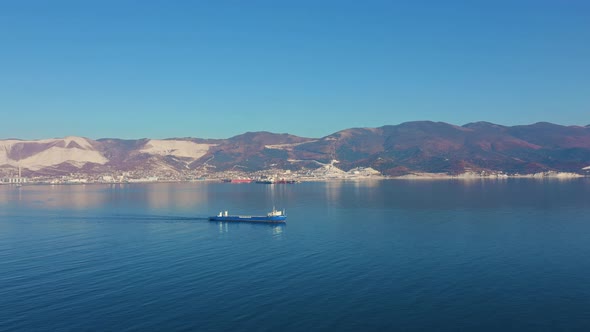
276	230
366	183
161	196
118	196
362	189
76	197
204	199
223	227
333	189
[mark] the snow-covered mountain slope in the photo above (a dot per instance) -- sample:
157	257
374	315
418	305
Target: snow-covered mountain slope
407	148
38	154
176	148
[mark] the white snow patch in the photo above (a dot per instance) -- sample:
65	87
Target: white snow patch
5	147
56	155
184	149
81	141
329	171
286	146
363	171
53	155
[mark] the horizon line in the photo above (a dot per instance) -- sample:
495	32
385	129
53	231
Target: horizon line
277	133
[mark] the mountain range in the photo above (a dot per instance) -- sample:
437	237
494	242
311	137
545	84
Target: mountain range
420	146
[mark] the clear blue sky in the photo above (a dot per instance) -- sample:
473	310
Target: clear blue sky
214	69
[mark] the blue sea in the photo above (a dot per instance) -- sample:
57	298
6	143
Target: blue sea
391	255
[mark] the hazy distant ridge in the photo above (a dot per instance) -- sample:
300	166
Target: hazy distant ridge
422	146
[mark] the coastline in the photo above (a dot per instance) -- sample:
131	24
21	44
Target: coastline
418	176
474	176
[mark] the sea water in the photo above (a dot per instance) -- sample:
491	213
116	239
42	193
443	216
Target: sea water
480	255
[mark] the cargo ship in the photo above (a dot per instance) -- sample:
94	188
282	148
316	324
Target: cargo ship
265	181
273	181
239	180
274	216
245	180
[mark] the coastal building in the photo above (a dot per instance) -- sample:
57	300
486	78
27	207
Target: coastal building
14	180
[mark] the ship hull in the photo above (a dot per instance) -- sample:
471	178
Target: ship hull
261	219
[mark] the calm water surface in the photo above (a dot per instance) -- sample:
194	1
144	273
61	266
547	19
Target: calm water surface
511	255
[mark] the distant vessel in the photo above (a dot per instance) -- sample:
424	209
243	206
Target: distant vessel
246	180
273	181
272	217
239	180
265	181
287	181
